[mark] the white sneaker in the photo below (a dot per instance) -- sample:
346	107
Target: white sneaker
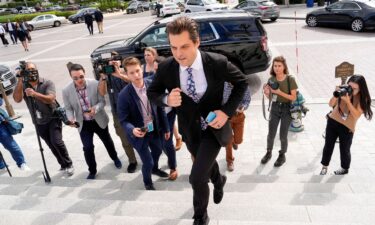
24	167
69	171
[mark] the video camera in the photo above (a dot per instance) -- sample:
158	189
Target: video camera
27	75
103	63
343	90
273	84
61	113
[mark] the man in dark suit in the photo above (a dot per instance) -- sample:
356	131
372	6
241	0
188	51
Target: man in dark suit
142	121
195	83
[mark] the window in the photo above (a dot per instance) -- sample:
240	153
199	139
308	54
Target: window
336	6
40	18
194	2
48	17
251	4
242	5
206	33
237	30
350	6
155	37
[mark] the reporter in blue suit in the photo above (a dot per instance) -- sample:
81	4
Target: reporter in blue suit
142	121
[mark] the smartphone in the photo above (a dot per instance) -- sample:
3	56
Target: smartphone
210	117
86	111
143	129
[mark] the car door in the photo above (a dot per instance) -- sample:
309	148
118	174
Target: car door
349	11
157	38
332	14
48	20
39	21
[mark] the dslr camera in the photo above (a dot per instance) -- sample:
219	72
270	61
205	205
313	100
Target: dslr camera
273	84
343	90
61	114
103	63
27	75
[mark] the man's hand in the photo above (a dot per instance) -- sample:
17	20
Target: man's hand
72	123
91	113
220	119
174	98
138	133
167	135
30	92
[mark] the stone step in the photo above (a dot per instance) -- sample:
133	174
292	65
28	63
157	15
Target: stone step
177	210
10	217
258	198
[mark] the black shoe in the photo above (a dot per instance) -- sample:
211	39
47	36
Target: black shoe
132	167
341	171
280	160
219	192
202	221
117	163
160	173
266	157
150	187
91	176
235	146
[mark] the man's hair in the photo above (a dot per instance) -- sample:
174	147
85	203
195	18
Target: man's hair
130	61
75	67
182	24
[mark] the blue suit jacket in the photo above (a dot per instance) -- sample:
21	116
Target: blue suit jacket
129	111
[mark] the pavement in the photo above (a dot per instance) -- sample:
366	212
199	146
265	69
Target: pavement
297	11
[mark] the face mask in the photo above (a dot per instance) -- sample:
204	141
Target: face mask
33	75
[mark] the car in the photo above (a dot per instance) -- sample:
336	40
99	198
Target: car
356	15
263	8
145	5
79	17
168	9
203	5
153	8
239	36
46	20
8	79
56	8
134	7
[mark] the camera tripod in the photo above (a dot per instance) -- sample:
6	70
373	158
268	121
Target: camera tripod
6	165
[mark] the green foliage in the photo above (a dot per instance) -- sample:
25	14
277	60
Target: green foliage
105	5
27	17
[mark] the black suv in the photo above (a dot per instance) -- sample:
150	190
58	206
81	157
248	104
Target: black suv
236	34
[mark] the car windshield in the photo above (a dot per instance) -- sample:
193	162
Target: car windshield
209	2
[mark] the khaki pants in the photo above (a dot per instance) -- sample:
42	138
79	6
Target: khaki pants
129	151
100	26
237	123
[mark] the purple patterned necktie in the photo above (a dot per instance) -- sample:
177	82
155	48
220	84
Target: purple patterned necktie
192	93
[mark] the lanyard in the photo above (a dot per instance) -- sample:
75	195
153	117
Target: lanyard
83	97
147	109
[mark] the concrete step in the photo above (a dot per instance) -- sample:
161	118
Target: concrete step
177	210
51	218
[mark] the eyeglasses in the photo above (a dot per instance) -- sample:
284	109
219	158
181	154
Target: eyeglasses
78	78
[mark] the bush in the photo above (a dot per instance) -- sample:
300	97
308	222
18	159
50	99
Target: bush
27	17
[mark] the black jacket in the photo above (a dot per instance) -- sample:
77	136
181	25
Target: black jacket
98	16
217	70
88	19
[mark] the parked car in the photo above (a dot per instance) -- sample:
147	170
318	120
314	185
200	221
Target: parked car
79	16
153	8
56	8
8	79
134	7
168	9
356	15
71	8
203	5
46	20
263	8
239	36
145	5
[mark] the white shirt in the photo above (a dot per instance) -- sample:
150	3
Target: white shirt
2	30
198	76
10	27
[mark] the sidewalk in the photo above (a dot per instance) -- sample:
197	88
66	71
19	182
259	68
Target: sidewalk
297	11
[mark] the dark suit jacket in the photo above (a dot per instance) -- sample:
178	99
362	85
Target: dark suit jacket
129	111
217	70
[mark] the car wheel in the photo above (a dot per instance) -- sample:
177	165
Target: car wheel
187	11
56	23
273	19
31	27
357	25
311	21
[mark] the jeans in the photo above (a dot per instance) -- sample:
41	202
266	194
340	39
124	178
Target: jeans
168	146
11	145
279	112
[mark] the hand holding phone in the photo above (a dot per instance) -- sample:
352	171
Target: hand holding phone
210	117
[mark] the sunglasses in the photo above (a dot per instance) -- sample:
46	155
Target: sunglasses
78	78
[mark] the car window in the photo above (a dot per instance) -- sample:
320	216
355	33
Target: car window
251	4
40	18
209	2
206	33
194	2
351	6
337	5
48	17
242	5
155	37
237	30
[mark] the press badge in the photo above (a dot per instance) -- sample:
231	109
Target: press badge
150	126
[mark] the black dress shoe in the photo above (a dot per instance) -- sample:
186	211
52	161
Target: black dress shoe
91	176
205	220
132	167
150	187
160	173
219	192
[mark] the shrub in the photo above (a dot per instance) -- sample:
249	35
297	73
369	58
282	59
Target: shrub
27	17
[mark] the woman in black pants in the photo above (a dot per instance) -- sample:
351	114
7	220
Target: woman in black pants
342	121
282	88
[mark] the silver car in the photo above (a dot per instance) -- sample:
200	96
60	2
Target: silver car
8	79
46	20
262	8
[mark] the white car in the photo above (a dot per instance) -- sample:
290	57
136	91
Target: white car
203	5
46	20
169	8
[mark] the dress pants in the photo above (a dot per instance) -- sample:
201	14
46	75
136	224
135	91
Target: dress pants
150	159
336	130
168	146
129	151
205	168
13	36
51	133
237	123
90	27
89	127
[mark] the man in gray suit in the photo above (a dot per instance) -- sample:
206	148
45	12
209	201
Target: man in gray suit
85	105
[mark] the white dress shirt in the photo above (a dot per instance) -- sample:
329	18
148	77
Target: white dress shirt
2	30
198	76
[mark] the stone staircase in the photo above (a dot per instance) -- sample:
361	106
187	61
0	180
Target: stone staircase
254	194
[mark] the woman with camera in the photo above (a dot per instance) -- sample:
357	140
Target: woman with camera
281	88
348	103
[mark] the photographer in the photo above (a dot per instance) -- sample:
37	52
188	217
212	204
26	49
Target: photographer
118	81
349	103
282	89
41	92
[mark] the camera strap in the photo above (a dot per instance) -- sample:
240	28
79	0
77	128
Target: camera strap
264	107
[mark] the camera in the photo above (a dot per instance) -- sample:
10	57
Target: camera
27	75
343	90
61	114
273	84
103	63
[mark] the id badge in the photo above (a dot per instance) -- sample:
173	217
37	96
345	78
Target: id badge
274	98
150	126
38	114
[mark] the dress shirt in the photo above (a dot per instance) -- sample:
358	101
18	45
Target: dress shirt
145	103
245	100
